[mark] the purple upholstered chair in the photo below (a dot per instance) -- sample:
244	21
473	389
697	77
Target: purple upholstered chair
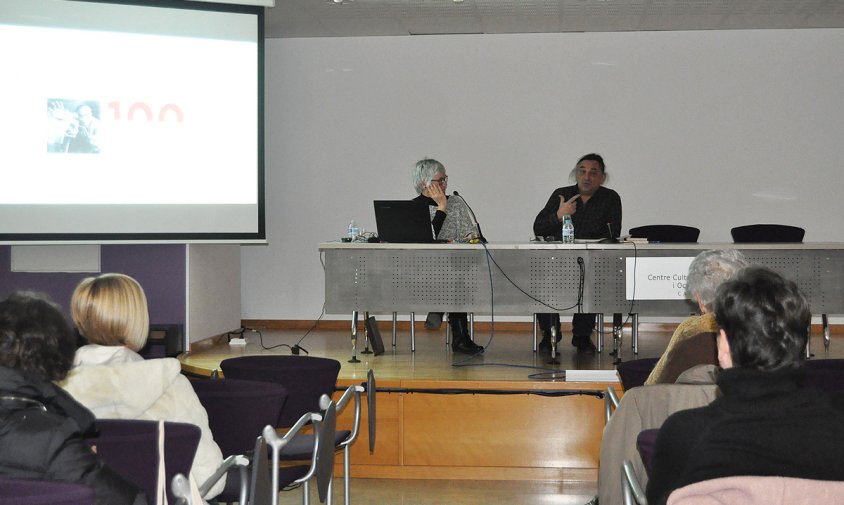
306	379
44	492
237	412
632	492
645	443
635	372
130	448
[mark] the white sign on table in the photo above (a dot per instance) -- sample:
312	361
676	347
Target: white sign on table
657	278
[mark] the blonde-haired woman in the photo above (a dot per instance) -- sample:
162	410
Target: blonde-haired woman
115	382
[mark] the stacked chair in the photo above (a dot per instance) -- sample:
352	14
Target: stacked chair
238	411
306	379
266	477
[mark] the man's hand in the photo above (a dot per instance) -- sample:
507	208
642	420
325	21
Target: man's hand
567	207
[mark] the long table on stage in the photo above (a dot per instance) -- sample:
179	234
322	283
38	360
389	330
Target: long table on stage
530	437
518	279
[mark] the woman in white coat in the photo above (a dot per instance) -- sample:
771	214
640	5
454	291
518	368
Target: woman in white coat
115	382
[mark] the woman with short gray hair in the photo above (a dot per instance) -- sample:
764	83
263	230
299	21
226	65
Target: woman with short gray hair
693	342
451	221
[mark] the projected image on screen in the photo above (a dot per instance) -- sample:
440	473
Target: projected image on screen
153	120
73	126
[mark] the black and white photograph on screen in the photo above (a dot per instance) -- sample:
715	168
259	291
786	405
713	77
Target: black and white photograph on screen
73	126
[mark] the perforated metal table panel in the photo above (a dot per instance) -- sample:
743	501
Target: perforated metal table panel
512	279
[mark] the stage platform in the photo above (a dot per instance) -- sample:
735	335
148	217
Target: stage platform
505	415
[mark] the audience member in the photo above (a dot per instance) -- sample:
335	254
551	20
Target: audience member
114	381
41	426
763	424
693	342
452	220
596	214
643	408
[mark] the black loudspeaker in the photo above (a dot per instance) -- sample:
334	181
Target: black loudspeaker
374	336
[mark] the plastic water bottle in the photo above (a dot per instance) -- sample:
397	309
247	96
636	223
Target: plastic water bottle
353	231
568	230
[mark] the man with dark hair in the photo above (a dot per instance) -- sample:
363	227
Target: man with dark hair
764	423
596	214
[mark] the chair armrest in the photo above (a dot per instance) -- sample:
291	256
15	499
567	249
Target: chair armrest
181	489
632	491
352	392
236	460
610	402
272	438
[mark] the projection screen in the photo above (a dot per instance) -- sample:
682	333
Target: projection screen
131	121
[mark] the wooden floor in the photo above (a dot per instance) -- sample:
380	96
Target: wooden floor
450	492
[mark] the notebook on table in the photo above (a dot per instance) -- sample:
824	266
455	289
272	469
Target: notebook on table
403	221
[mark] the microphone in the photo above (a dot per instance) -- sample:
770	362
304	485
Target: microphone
474	219
610	239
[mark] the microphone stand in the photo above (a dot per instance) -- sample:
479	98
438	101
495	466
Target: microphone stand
474	219
611	239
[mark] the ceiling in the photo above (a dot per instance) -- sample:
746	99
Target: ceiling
356	18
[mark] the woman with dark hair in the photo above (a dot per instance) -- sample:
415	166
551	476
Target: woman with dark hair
764	423
41	426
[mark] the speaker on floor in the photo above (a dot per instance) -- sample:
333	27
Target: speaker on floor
374	336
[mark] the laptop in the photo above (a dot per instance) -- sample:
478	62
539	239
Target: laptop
403	221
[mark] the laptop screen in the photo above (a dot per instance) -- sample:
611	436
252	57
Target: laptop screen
403	221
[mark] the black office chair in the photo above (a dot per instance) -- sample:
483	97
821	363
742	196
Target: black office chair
666	233
767	233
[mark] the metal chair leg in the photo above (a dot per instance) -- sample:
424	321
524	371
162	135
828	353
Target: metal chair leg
825	323
634	330
599	320
412	332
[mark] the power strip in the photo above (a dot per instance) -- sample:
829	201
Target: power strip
237	341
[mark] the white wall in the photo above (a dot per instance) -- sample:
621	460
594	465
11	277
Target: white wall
712	129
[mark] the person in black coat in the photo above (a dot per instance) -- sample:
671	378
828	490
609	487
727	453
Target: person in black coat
764	423
41	426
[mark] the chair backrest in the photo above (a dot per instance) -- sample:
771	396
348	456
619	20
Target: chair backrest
371	409
306	379
767	233
756	489
44	492
635	372
666	233
239	409
130	448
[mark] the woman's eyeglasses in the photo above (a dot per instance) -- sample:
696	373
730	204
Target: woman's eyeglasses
444	180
